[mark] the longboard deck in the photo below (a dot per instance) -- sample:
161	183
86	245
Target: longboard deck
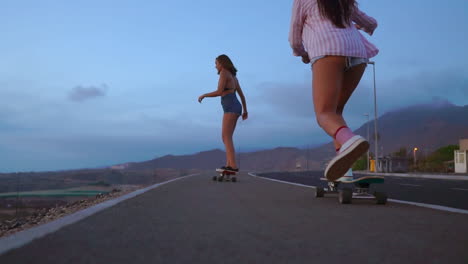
365	179
226	172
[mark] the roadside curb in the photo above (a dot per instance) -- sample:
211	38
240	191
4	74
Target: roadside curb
412	175
22	238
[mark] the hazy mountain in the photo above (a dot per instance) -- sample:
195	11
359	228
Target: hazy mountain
427	127
274	159
202	160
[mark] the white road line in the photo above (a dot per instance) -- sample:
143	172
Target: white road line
420	176
432	206
291	183
407	184
22	238
459	189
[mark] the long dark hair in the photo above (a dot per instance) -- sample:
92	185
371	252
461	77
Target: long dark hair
337	11
227	64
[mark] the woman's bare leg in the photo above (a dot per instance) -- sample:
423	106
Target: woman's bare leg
351	79
331	90
326	86
229	125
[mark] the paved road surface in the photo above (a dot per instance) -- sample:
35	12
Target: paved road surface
196	220
451	193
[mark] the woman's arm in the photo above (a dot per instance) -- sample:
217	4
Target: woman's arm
298	18
364	22
245	114
221	84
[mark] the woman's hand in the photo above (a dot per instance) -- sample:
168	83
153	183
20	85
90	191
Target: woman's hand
364	29
306	59
245	115
201	98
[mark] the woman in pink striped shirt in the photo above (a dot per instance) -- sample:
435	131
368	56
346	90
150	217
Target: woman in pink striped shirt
325	34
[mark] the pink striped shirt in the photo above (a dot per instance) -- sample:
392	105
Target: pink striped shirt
314	35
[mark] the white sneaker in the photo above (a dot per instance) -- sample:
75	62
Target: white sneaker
347	177
351	151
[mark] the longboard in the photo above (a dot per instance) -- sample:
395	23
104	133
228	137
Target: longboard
360	191
225	175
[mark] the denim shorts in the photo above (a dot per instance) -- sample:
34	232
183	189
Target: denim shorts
231	104
350	61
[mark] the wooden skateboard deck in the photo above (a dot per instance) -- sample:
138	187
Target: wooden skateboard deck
225	175
360	191
365	179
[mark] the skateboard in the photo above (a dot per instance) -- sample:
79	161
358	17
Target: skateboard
225	175
360	191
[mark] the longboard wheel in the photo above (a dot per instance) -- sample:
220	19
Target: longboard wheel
319	192
381	197
345	196
233	179
220	178
215	178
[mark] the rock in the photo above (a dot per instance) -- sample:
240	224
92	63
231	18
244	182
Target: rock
15	225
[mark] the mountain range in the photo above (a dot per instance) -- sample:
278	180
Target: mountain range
427	127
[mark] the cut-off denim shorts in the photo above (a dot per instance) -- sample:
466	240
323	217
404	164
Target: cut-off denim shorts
350	61
231	104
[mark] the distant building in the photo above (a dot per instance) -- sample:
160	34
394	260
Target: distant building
298	165
460	159
392	164
120	166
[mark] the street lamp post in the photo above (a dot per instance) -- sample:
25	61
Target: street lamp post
367	115
375	121
414	155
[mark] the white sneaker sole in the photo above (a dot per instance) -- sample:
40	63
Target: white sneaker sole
340	164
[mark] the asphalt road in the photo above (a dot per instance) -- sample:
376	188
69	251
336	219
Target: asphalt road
451	193
197	220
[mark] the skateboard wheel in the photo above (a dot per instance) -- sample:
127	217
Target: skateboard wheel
215	178
345	196
220	178
381	197
319	192
233	179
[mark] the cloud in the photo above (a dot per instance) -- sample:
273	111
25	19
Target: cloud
81	93
422	88
50	134
287	99
286	108
294	100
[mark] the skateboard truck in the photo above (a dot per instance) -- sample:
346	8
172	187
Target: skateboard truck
225	175
361	190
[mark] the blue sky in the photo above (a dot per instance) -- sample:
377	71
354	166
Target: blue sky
95	83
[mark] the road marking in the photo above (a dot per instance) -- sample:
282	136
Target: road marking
420	176
22	238
291	183
407	184
431	206
460	189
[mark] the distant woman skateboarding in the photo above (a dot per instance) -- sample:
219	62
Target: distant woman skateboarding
228	85
325	34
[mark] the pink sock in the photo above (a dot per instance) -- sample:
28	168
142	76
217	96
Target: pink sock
342	134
